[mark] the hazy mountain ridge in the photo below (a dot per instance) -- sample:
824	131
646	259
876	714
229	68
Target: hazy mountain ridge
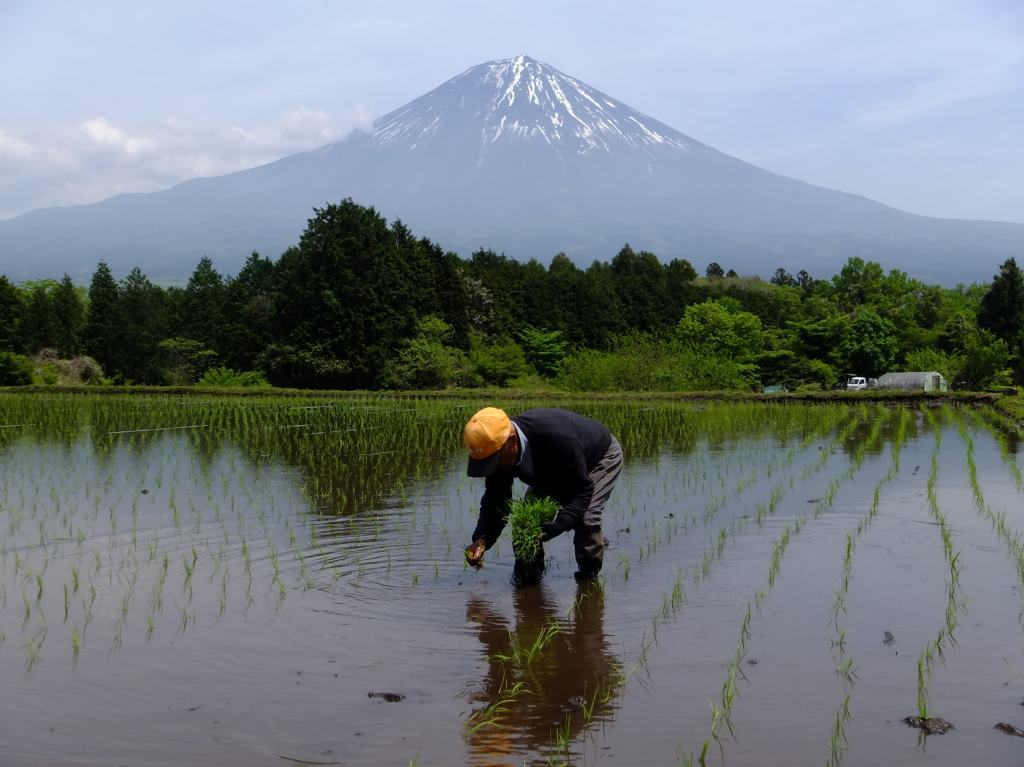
518	157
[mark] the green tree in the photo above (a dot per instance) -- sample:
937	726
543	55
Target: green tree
101	333
143	317
986	359
247	316
184	360
869	344
496	363
343	294
566	285
69	318
642	290
805	281
1002	307
859	283
15	369
12	310
782	278
680	279
426	361
202	306
600	315
718	329
501	278
39	329
544	349
306	367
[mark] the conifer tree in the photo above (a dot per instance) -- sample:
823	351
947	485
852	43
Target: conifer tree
143	325
12	310
69	317
201	305
343	297
39	328
102	318
247	317
1002	307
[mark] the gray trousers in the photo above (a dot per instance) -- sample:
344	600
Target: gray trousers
587	538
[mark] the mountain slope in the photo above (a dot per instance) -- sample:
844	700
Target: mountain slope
516	156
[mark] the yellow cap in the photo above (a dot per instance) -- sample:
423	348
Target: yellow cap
484	435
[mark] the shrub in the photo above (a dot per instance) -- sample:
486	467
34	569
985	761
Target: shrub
49	369
427	362
640	365
497	363
227	378
183	360
15	369
304	367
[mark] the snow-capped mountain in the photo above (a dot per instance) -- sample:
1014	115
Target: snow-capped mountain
524	100
515	156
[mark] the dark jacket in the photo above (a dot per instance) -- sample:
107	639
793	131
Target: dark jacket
564	448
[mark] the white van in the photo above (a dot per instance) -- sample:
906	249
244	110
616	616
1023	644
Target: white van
856	383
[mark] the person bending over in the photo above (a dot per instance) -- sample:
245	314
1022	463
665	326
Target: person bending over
559	454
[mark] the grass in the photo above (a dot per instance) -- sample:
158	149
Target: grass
525	517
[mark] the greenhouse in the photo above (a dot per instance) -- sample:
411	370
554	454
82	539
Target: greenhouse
915	381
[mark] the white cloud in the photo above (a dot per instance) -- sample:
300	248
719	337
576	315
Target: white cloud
15	148
98	158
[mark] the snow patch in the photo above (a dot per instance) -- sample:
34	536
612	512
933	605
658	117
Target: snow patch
522	99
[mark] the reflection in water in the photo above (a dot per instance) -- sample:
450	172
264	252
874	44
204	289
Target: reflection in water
570	685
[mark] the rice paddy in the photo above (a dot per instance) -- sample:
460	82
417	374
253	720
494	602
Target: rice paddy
213	580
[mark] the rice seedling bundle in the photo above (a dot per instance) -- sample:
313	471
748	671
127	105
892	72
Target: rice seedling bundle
525	517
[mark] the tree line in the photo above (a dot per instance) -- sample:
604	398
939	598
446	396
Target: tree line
361	303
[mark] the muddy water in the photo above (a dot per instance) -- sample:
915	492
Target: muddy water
229	586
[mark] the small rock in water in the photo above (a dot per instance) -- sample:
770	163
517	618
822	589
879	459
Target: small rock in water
888	638
932	725
390	697
1009	729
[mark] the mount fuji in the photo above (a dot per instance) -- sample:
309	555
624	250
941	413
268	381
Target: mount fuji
515	156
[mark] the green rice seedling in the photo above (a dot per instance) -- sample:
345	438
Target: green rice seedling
490	714
33	645
563	736
922	687
76	643
525	517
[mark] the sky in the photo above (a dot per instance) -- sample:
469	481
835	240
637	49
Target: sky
918	104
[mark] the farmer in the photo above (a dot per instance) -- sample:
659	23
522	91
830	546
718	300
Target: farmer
559	454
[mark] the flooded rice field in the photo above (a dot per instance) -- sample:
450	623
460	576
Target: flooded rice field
263	581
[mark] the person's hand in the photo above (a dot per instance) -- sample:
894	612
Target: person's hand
550	530
475	553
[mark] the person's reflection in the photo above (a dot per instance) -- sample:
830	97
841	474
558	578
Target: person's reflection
569	685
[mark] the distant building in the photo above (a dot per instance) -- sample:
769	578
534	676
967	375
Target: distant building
916	381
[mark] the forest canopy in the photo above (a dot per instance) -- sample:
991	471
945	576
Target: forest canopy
361	303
